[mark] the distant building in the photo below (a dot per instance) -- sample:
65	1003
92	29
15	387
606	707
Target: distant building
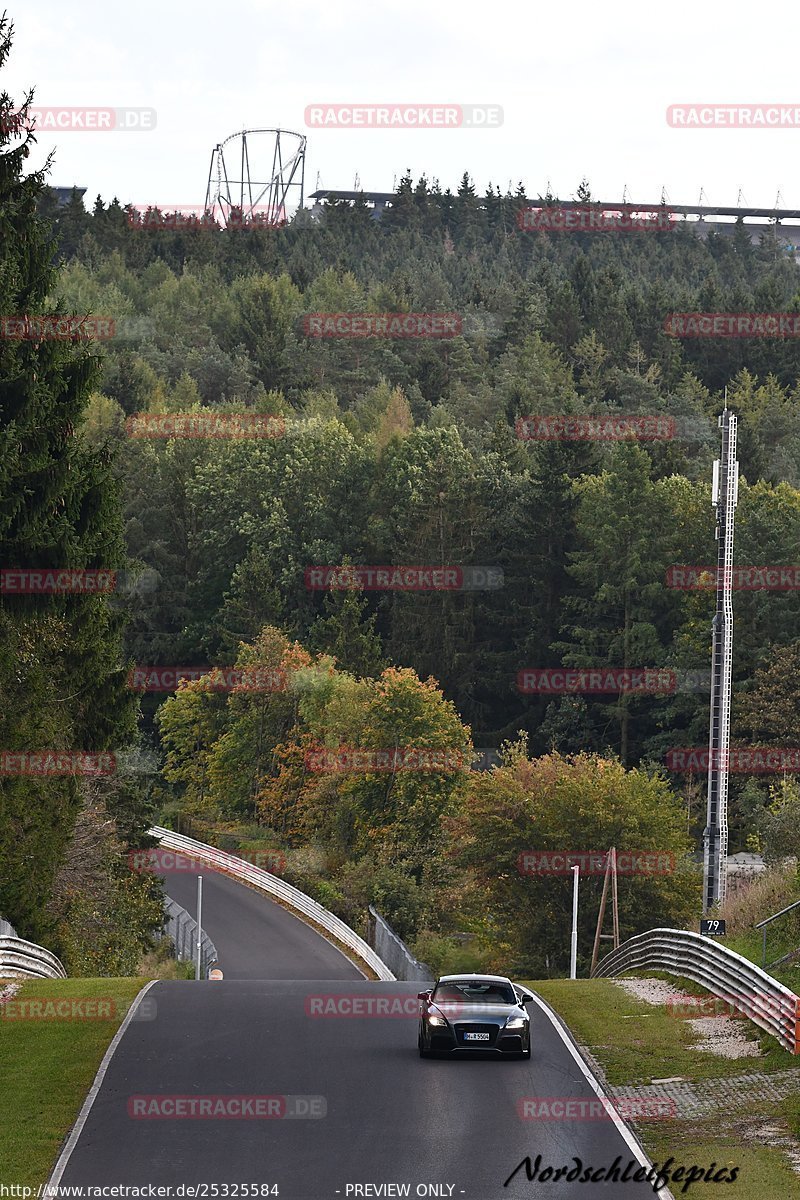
704	219
63	194
745	864
376	201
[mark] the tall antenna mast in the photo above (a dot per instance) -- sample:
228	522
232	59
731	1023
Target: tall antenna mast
725	490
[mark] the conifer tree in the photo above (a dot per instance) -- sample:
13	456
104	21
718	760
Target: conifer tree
62	686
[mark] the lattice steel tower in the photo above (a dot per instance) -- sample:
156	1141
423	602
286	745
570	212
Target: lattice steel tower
258	194
725	493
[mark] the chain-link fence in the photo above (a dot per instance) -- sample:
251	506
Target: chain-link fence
6	929
394	952
182	930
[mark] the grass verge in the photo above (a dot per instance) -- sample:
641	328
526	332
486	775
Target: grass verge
779	942
47	1067
764	1172
636	1043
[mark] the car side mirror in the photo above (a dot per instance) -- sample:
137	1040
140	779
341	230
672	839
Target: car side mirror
424	995
524	995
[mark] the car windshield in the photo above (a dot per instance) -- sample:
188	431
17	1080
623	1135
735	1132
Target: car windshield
475	991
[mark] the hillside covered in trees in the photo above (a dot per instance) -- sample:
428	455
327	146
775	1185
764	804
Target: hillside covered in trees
400	451
413	442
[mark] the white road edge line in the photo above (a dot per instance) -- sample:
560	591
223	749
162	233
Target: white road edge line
627	1134
77	1128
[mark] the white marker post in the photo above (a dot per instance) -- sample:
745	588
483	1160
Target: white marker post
199	925
573	957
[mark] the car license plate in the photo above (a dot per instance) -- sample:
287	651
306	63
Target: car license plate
476	1037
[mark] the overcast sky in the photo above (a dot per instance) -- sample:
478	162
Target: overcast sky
584	89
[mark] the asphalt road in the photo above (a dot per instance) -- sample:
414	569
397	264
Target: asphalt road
353	1107
255	938
390	1117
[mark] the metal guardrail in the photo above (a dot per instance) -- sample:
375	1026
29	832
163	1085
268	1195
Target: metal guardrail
749	990
394	952
229	864
181	928
21	958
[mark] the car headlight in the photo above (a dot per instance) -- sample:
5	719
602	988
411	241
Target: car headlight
434	1020
516	1022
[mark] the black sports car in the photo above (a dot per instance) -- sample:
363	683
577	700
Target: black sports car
474	1012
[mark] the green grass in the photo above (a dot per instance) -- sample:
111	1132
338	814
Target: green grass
779	942
790	1111
46	1068
637	1042
764	1172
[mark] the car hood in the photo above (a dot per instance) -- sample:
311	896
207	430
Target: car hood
454	1010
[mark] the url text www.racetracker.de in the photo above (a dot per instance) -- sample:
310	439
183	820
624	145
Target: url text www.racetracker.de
657	1177
141	1191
